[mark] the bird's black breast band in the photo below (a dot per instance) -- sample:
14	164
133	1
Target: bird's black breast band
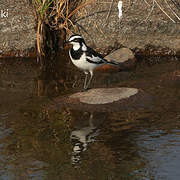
76	54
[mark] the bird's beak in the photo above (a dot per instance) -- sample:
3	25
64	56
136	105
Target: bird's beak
67	45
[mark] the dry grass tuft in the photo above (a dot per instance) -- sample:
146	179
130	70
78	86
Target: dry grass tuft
58	14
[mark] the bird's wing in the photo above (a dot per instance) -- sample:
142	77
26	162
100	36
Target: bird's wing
94	57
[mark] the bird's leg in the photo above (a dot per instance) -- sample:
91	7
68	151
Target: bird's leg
85	81
91	73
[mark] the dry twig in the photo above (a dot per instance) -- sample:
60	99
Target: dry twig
109	12
172	10
164	11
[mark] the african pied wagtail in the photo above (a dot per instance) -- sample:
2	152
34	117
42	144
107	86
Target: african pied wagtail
85	58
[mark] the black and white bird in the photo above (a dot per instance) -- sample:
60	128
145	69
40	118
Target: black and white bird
85	58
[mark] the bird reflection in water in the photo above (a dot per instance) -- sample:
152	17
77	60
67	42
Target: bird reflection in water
81	137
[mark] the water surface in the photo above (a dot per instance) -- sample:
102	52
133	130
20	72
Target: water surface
71	144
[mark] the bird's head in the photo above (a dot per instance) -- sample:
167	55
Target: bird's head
77	42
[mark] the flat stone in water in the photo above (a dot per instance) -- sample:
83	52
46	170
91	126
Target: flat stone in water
104	95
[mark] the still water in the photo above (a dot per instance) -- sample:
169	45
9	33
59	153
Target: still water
71	144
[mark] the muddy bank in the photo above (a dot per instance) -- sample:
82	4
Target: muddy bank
17	28
137	27
27	53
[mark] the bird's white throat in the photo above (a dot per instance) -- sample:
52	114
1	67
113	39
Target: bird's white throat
76	46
